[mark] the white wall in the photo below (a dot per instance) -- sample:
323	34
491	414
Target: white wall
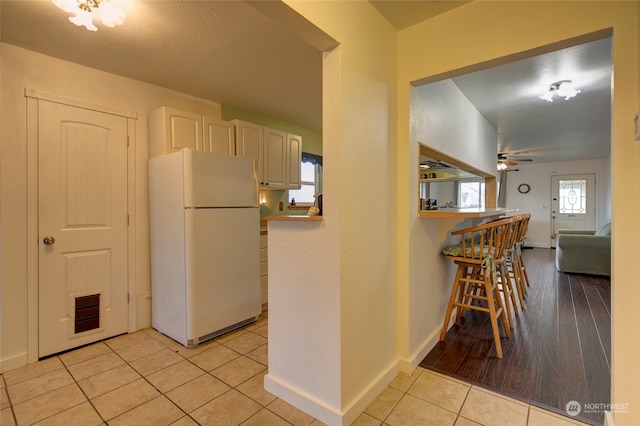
538	200
444	119
26	69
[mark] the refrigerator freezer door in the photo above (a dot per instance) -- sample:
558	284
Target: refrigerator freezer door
223	268
215	180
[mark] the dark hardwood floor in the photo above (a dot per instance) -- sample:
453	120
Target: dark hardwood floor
559	350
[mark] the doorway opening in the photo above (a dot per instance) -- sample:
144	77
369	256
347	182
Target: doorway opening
445	101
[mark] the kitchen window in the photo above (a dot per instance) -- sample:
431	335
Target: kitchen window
471	194
311	180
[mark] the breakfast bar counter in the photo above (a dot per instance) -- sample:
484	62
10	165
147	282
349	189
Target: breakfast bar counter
463	213
294	217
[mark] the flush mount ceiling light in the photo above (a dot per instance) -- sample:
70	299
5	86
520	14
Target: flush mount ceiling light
563	88
108	12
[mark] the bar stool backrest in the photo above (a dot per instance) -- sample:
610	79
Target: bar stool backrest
515	233
483	240
523	228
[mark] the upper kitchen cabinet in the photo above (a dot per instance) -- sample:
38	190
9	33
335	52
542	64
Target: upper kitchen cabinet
274	171
277	154
171	130
249	144
219	136
294	159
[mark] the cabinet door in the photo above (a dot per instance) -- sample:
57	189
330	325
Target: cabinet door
183	130
249	144
170	130
275	158
219	136
294	157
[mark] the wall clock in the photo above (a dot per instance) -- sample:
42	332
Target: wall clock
523	188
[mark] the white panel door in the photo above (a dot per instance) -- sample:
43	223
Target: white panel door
82	284
573	203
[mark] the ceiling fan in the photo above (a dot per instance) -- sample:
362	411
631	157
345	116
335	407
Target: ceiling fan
503	158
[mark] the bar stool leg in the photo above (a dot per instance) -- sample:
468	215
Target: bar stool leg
506	297
493	316
523	271
515	290
501	310
452	299
517	277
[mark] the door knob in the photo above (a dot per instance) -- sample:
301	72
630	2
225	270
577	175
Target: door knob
49	240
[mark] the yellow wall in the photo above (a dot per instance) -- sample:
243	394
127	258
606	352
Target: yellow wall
487	32
354	291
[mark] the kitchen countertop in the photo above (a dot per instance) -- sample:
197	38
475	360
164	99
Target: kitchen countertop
473	212
295	218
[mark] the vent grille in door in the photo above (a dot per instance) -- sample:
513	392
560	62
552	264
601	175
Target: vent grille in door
87	313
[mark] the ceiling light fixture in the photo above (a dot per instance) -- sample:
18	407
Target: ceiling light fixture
110	14
501	167
563	88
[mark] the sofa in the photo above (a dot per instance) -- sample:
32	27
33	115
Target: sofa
584	251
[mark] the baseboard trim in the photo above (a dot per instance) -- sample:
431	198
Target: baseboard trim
323	412
302	401
408	365
13	362
536	245
370	393
608	418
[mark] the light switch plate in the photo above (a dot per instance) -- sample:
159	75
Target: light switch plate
637	125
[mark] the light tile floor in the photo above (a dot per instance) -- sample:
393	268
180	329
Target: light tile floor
145	378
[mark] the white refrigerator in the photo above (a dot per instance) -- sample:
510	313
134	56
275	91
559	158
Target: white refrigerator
205	244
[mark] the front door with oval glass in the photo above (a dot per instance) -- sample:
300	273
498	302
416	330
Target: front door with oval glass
572	203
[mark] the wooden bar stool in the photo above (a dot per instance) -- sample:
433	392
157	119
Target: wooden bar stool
511	268
476	284
522	234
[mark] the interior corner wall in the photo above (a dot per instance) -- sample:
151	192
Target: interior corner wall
538	200
482	34
22	69
357	281
437	112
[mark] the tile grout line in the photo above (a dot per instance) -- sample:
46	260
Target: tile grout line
145	379
231	387
6	390
66	367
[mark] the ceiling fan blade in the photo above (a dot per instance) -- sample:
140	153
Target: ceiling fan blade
520	160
